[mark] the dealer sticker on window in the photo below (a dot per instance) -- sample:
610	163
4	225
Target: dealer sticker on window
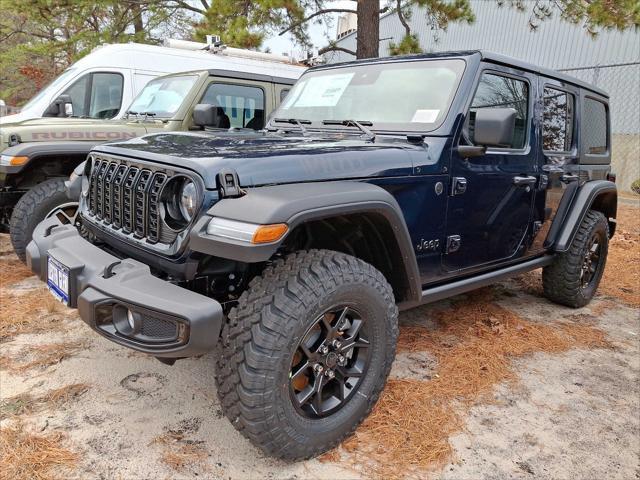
425	116
58	280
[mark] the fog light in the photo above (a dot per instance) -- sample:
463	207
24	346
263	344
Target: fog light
131	319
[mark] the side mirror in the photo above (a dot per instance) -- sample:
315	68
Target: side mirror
494	127
61	107
205	115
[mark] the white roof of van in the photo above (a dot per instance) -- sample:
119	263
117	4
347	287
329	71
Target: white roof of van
151	57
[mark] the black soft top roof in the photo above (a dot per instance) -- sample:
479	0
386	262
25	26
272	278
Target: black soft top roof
485	55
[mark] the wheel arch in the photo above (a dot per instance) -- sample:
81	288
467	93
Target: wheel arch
599	195
46	160
368	218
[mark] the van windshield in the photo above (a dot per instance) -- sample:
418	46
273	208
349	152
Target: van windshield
53	86
403	95
162	97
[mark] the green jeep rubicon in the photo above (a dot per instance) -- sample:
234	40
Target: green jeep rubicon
37	156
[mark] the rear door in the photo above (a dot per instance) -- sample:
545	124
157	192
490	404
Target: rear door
491	196
559	161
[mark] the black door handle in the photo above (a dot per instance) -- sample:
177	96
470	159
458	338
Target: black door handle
524	181
568	178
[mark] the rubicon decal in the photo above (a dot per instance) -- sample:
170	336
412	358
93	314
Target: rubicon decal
83	135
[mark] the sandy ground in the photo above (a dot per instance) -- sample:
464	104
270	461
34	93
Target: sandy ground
570	415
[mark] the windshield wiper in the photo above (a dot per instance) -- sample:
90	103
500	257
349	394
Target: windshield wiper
353	123
144	115
295	121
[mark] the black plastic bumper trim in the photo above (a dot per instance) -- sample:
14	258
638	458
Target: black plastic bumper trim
131	284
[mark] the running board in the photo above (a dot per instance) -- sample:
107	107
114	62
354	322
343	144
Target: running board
461	286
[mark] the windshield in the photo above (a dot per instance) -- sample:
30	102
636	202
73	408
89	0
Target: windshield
163	96
409	95
54	85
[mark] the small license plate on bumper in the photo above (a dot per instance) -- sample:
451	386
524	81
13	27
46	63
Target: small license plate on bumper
58	280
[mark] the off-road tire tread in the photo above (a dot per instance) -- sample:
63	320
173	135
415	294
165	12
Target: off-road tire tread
256	331
561	279
23	222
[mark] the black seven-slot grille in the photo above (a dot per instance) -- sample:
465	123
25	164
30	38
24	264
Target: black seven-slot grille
126	197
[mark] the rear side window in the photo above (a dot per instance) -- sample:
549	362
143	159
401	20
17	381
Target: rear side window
497	91
243	106
594	129
557	120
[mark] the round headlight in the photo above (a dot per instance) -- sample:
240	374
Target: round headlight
188	200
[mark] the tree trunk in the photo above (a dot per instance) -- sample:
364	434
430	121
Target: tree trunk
368	28
138	25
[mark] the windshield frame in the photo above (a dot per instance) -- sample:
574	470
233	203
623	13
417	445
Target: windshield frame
378	127
177	112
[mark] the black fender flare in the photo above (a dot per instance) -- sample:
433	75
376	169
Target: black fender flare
295	204
602	195
37	150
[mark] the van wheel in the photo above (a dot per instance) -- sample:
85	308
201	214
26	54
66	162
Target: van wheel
45	200
573	278
306	352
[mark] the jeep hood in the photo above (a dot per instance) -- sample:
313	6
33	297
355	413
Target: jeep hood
73	129
268	158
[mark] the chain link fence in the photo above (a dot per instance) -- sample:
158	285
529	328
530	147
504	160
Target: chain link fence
622	82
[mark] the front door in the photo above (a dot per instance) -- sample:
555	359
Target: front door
491	196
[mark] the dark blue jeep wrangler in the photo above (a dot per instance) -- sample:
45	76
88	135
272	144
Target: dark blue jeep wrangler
378	185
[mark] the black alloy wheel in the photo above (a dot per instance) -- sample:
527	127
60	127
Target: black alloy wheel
329	362
592	259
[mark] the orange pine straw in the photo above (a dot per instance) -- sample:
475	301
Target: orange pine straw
474	344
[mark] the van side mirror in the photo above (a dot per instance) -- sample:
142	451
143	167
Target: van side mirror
494	127
205	115
61	107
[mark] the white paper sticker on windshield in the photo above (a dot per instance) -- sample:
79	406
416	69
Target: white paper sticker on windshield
425	116
323	91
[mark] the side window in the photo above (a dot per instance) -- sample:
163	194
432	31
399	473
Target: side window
283	94
106	95
497	91
242	105
78	93
557	120
594	129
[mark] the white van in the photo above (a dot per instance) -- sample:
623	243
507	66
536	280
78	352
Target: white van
103	84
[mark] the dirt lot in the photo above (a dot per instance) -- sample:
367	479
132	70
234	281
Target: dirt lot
498	384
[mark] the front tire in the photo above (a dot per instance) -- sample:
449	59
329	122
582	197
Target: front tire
573	278
329	310
42	201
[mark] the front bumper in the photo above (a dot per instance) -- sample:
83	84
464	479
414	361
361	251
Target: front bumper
166	320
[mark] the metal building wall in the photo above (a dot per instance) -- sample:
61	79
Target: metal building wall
611	60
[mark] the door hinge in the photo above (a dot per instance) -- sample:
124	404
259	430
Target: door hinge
458	185
454	242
